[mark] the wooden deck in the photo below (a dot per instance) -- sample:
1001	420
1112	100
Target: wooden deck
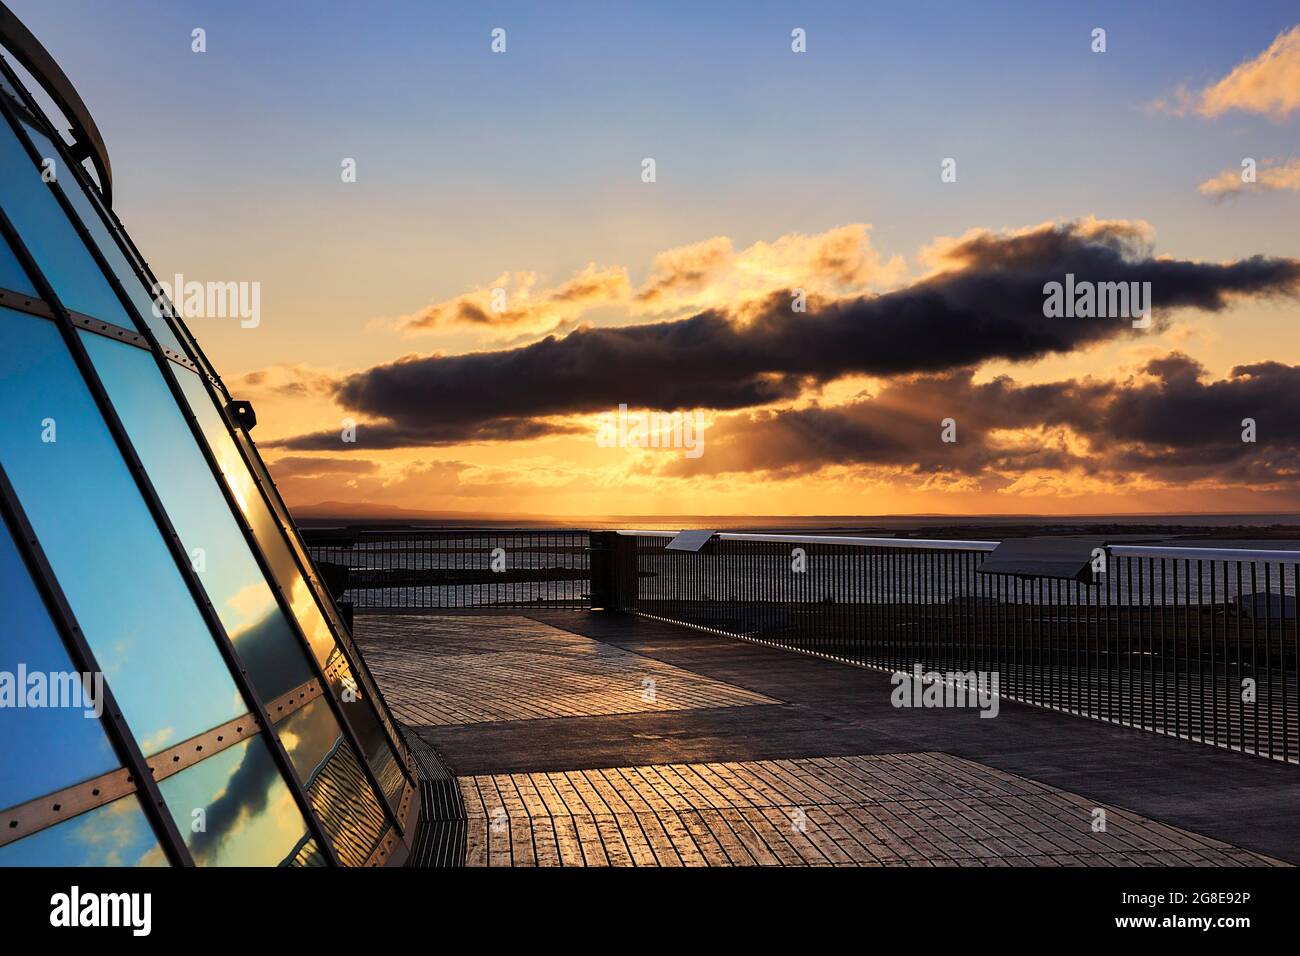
580	739
481	668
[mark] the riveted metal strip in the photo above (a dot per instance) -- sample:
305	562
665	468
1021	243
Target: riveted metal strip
33	305
388	845
53	808
189	752
294	700
25	302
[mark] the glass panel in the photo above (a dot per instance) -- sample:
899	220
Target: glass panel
116	834
12	276
233	809
104	546
356	706
117	262
46	231
267	646
42	748
338	789
286	523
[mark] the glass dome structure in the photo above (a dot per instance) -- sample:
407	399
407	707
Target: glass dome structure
177	686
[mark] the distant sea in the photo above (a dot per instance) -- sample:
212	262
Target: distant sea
1219	528
905	523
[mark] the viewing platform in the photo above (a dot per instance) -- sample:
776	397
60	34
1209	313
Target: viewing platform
590	738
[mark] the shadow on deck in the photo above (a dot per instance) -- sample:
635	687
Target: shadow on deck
581	738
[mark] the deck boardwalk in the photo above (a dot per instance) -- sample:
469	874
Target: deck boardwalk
830	819
581	739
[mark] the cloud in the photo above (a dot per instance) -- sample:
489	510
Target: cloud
1271	175
985	301
681	274
1165	423
1268	85
427	428
423	484
707	274
302	466
510	303
281	381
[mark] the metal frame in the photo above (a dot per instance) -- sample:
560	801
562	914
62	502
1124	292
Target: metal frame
144	485
83	658
145	338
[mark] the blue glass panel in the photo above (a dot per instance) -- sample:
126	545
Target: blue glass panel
90	218
103	544
116	834
12	275
267	646
233	809
42	748
46	231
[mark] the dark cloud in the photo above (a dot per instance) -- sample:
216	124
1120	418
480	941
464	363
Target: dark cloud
451	430
988	304
1168	422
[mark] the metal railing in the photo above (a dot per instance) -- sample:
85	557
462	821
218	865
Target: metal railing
1199	643
427	568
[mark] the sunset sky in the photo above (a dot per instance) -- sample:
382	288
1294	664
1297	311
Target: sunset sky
775	171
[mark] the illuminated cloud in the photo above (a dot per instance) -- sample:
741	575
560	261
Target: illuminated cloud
1269	176
282	381
702	275
512	304
1268	85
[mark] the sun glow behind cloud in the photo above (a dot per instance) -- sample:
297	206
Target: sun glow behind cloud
852	423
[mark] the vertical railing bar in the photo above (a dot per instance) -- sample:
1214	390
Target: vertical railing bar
1268	654
1254	647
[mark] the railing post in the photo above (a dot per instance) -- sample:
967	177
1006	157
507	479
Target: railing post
601	565
613	571
625	571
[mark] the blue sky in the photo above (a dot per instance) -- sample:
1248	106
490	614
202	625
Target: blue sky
750	140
